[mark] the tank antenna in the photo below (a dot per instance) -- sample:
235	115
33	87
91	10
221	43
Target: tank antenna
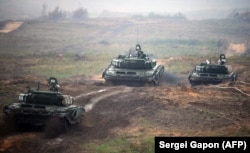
52	67
38	86
137	33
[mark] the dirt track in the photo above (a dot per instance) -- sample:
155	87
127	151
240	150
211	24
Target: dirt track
173	108
10	26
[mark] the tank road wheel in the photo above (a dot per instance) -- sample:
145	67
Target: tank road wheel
156	81
55	126
234	78
159	76
192	83
148	84
109	82
10	124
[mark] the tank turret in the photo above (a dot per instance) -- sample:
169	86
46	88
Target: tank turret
222	59
138	67
53	84
212	73
36	107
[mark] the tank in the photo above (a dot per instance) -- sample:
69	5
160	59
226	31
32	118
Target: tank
37	107
137	67
208	73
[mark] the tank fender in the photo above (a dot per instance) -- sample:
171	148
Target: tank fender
157	74
160	69
74	115
104	72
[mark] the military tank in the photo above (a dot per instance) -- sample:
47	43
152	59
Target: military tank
37	107
208	73
137	67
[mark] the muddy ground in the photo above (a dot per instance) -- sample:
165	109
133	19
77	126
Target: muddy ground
173	108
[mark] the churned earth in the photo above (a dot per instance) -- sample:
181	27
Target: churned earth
173	108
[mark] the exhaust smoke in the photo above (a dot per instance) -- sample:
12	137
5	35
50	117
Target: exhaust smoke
171	78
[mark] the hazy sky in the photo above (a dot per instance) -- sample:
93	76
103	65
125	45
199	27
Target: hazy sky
162	6
95	7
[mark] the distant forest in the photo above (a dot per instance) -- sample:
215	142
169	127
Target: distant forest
52	10
241	16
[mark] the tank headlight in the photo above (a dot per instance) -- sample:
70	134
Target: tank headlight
110	72
22	97
219	76
231	74
14	106
195	74
149	73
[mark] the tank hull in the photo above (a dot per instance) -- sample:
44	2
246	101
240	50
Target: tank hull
210	78
112	74
37	107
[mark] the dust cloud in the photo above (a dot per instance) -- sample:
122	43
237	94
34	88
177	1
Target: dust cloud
172	78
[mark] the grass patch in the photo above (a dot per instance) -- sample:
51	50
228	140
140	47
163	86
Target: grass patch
8	94
122	145
69	66
243	131
185	64
163	38
179	47
93	64
183	67
244	60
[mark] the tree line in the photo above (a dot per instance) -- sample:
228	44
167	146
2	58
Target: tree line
59	13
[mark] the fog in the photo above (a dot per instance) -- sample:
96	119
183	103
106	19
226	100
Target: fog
193	9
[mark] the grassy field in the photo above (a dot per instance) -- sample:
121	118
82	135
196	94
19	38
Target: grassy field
125	145
64	49
87	47
69	66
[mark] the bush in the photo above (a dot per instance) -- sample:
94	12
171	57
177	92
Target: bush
80	14
56	14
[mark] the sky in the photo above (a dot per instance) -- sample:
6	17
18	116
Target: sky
96	7
193	8
161	6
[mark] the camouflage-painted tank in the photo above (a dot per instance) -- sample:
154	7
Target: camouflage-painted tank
207	73
137	67
36	107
